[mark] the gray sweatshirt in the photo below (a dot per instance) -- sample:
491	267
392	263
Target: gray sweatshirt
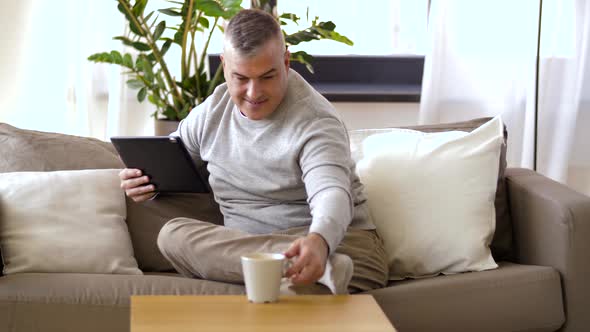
288	170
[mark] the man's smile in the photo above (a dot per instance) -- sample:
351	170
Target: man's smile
256	103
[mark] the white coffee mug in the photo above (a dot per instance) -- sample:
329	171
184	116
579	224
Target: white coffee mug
262	276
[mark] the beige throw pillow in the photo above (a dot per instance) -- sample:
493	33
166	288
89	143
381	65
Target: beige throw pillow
431	197
502	242
64	221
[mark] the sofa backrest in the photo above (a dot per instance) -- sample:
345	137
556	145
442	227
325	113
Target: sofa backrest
34	151
27	150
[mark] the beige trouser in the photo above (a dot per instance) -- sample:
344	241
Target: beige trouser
199	249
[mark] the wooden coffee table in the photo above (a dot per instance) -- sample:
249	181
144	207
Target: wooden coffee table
234	313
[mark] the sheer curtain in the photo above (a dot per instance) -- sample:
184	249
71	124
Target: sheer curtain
481	61
47	82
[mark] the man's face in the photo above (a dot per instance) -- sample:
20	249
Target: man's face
258	83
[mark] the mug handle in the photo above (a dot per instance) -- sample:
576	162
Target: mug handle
287	263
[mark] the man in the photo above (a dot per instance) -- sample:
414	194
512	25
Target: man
280	168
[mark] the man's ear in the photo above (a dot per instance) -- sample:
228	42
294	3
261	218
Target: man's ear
222	61
287	59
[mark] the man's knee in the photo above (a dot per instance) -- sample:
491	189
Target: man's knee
175	233
170	235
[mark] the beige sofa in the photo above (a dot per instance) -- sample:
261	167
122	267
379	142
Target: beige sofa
541	244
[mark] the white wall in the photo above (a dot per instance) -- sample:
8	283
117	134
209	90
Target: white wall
13	26
579	167
377	115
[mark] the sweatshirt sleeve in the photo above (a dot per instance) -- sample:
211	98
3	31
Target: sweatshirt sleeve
190	130
325	165
329	216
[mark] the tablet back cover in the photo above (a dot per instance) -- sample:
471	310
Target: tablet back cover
164	159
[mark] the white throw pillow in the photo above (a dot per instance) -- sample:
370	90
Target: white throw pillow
64	221
431	196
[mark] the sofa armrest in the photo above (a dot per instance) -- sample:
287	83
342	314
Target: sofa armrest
551	225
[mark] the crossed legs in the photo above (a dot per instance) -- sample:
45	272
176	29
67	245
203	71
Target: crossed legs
203	250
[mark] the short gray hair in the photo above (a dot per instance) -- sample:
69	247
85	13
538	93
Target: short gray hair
249	29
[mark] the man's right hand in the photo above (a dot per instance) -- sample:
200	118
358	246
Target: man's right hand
136	185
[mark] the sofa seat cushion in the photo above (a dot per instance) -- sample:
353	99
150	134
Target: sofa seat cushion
511	298
103	289
87	302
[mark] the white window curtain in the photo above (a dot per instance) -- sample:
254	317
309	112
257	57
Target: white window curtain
481	61
48	84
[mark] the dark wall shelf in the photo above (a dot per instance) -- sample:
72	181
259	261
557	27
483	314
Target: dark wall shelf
362	78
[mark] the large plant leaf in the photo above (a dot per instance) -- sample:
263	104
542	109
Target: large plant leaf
143	65
141	94
326	30
135	83
185	110
133	26
301	36
125	40
232	7
304	58
148	71
154	99
147	18
204	22
101	57
178	36
128	60
170	11
159	30
141	46
166	46
322	30
335	36
210	8
117	57
290	16
231	4
170	113
325	25
186	83
139	7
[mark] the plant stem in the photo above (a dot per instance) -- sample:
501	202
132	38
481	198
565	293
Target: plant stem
152	43
187	22
215	79
194	54
202	63
204	53
191	51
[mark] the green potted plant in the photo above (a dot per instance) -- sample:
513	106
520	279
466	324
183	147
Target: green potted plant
149	37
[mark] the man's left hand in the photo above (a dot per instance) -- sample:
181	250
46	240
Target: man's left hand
312	255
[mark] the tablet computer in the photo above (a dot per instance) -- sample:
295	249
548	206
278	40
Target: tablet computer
164	159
